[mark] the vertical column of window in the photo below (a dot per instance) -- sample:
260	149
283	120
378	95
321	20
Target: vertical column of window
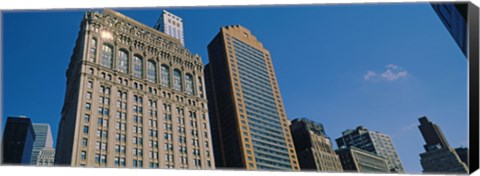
153	141
93	50
189	84
120	129
86	122
137	66
137	131
182	138
206	141
177	80
167	135
102	124
165	76
200	87
195	140
107	55
122	63
151	71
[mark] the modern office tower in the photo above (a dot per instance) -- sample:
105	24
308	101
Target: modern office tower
134	99
170	24
314	149
45	157
18	139
249	124
43	138
357	160
372	141
438	157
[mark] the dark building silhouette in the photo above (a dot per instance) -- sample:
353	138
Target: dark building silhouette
314	149
462	152
432	134
439	157
18	139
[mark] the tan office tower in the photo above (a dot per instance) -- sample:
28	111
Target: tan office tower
134	99
249	125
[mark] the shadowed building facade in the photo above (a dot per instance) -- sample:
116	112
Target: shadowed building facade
17	141
358	160
249	124
134	98
374	142
439	157
314	149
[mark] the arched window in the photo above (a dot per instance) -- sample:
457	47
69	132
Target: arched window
123	61
137	67
189	84
177	80
107	56
151	71
165	76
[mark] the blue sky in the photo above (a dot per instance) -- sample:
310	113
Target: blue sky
380	66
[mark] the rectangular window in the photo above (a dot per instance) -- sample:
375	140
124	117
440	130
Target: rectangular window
84	155
103	159
88	106
84	142
85	129
86	117
97	158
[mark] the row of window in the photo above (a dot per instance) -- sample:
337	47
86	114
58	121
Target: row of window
138	68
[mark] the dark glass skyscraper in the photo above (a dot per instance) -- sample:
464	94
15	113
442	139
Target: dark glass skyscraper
249	125
454	17
18	139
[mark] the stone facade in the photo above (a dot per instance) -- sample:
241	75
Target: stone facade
135	98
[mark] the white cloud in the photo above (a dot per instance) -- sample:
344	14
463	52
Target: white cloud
392	72
369	75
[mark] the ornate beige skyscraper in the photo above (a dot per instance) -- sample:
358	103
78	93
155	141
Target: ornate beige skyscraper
249	124
134	98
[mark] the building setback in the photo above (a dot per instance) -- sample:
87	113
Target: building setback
171	24
18	139
358	160
43	139
314	149
134	98
372	141
439	157
249	125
